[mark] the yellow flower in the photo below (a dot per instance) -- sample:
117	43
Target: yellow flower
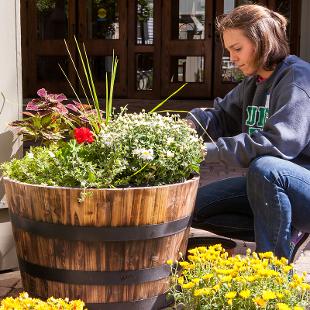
188	285
184	264
216	287
282	306
231	295
230	301
207	276
202	292
304	286
202	249
181	280
245	294
267	295
266	255
260	302
194	251
196	280
169	262
286	269
298	308
226	279
251	278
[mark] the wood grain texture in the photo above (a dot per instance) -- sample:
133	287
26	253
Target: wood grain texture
105	207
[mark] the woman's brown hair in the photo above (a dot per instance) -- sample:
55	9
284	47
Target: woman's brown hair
264	27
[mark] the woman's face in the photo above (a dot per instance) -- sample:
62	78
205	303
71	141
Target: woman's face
241	50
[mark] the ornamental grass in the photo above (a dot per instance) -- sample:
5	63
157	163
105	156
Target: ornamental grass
210	279
24	302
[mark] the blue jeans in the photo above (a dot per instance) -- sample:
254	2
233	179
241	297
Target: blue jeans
263	206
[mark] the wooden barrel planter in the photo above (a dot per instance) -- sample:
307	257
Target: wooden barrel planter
109	250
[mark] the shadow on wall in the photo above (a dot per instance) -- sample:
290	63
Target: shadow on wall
7	140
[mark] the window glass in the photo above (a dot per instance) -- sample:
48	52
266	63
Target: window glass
188	19
144	71
187	69
103	19
52	19
145	21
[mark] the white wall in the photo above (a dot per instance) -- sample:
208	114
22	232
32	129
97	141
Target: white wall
10	109
305	31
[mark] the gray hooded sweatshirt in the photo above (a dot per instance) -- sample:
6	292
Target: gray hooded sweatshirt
271	117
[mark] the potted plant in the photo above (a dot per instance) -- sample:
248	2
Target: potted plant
104	201
210	279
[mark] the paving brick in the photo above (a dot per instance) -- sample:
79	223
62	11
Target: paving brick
9	282
4	291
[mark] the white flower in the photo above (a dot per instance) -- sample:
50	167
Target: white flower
50	153
106	138
30	155
170	140
169	154
145	154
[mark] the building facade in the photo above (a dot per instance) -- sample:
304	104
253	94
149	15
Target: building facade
160	44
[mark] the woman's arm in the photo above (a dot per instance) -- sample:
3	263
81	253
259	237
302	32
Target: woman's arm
286	133
223	120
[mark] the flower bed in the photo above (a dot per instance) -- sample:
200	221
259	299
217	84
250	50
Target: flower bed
24	302
212	280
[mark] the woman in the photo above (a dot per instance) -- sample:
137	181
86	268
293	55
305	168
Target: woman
262	124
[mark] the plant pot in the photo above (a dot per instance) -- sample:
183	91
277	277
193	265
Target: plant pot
227	244
110	250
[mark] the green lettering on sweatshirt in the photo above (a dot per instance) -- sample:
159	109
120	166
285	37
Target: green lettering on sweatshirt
251	111
256	120
262	116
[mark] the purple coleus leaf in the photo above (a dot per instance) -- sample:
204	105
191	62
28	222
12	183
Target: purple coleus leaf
60	108
56	98
42	93
32	106
72	107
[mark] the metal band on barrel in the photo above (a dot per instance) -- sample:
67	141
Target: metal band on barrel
103	233
95	277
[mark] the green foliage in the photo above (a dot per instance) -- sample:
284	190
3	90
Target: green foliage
131	150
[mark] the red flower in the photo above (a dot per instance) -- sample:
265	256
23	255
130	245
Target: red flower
82	135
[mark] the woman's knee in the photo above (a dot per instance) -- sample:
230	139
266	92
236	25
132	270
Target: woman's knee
263	168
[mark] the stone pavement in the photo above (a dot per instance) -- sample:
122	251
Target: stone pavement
10	283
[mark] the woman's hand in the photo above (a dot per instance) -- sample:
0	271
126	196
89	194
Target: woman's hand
190	123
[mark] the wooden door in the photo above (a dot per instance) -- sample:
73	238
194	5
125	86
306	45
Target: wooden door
144	45
103	28
292	11
44	26
187	32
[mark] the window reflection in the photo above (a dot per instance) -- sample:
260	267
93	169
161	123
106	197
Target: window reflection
231	4
187	69
144	70
100	65
284	7
230	73
52	19
145	21
188	19
48	68
103	19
